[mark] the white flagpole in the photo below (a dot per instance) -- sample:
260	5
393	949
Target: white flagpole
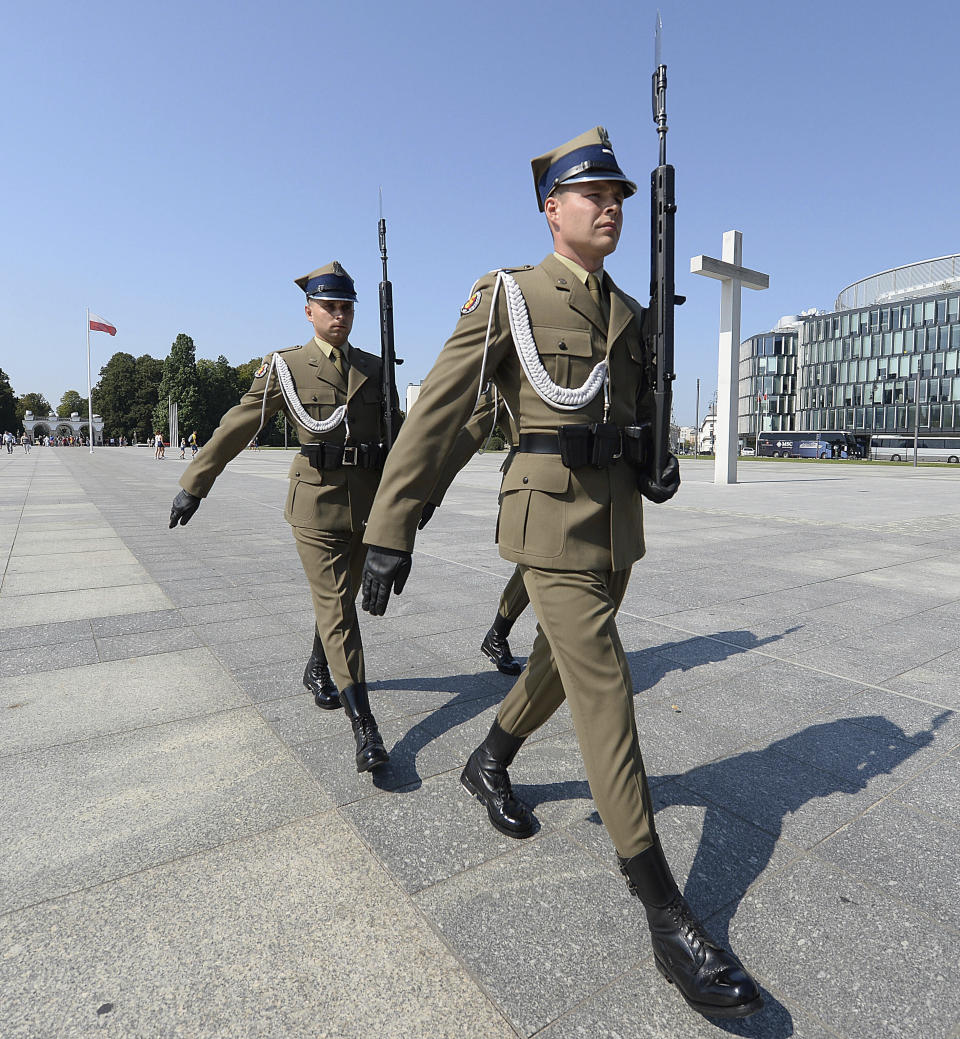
89	388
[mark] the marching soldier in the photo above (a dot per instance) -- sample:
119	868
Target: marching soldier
566	349
330	391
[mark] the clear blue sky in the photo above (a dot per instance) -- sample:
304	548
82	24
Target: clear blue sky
174	167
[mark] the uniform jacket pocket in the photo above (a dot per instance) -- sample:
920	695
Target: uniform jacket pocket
533	506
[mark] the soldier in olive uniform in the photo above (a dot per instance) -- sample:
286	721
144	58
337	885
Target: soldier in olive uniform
330	392
566	349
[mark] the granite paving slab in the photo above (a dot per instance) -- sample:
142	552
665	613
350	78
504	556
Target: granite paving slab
934	791
912	857
537	962
29	610
34	659
80	703
293	934
44	634
868	966
147	643
101	809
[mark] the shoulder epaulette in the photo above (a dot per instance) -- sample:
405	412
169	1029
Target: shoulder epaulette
286	349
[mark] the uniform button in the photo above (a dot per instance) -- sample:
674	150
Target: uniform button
562	345
526	479
297	473
314	400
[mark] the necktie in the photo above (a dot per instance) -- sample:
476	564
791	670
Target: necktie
337	358
593	287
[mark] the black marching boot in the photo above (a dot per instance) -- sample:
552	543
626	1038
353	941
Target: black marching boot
485	776
317	680
712	980
496	647
371	752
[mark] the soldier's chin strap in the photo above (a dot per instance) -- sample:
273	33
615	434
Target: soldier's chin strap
293	402
562	397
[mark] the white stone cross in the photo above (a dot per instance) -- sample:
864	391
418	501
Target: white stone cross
733	277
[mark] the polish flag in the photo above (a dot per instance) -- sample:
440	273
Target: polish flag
98	324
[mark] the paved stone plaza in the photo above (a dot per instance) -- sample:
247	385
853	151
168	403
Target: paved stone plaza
188	851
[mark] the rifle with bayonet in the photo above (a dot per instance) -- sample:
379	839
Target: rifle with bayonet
662	469
388	354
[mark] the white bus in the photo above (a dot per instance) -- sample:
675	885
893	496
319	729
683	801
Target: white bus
899	448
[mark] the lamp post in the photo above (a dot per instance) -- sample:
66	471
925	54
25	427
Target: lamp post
916	417
696	429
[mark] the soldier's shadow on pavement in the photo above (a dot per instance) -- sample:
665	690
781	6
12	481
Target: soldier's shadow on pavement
473	694
765	786
651	665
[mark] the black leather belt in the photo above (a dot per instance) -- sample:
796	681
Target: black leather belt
539	443
598	444
344	456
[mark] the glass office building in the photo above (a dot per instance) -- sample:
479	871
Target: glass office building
890	346
768	381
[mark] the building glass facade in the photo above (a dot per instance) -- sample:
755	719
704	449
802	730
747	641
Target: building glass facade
768	383
865	368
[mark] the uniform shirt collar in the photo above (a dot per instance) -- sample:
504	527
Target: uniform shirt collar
575	267
326	348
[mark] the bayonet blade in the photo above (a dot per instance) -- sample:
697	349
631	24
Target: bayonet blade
658	31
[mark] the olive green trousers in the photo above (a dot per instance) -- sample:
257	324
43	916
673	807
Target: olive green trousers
577	656
333	563
514	599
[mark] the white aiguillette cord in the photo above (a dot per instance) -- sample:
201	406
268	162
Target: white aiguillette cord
563	397
289	391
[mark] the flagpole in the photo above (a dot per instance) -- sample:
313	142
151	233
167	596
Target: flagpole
89	388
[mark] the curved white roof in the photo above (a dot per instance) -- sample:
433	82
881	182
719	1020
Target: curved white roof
923	278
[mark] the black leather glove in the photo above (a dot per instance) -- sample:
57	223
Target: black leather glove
184	506
428	510
385	570
662	490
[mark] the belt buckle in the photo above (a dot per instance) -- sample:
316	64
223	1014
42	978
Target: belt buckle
350	455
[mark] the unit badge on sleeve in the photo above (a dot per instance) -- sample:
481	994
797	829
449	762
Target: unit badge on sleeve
472	303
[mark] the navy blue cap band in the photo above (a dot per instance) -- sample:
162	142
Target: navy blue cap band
331	283
592	157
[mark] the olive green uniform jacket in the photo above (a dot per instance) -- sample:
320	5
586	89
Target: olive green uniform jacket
550	516
336	500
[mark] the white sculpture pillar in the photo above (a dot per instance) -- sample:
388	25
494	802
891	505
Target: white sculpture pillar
732	276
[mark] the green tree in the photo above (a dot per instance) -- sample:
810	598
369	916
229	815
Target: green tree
126	395
244	375
8	404
35	402
114	393
180	384
218	389
72	402
149	373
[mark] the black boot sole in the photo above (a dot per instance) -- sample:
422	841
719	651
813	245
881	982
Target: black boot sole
711	1009
471	789
505	669
369	764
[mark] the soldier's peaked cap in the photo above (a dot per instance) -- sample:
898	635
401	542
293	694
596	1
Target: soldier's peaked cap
587	157
330	282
